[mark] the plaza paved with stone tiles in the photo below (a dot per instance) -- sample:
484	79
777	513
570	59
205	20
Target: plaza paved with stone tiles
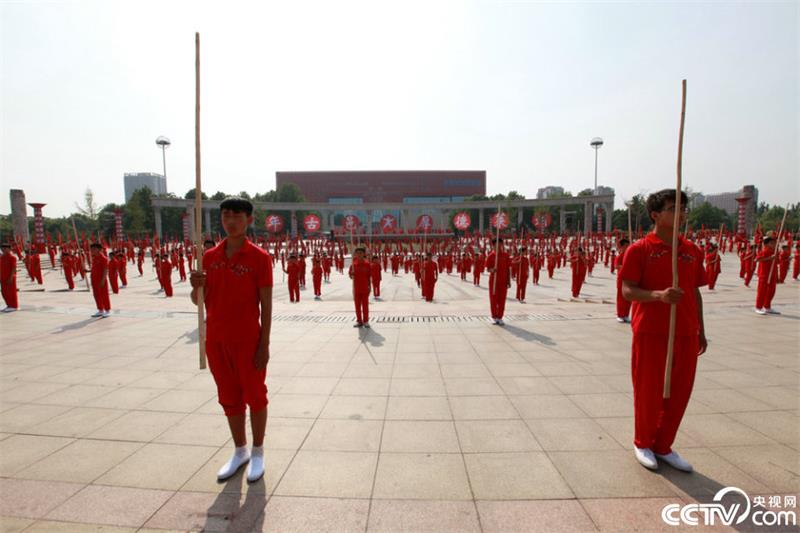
433	420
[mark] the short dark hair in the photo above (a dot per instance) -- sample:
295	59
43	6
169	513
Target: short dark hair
96	245
237	205
209	241
5	245
624	241
657	200
360	249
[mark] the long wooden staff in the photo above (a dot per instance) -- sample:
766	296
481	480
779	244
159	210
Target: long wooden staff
198	206
496	250
80	253
630	229
777	245
673	308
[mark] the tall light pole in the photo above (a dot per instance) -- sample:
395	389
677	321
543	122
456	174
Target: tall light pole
164	143
595	143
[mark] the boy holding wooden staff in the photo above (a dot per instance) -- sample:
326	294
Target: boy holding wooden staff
237	284
647	282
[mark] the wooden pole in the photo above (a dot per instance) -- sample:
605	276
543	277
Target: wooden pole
198	207
630	229
673	308
777	245
496	250
80	253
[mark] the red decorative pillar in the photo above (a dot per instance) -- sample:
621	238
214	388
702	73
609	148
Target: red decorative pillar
38	228
599	220
118	225
185	220
741	226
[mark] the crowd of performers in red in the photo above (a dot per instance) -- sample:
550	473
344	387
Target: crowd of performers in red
517	259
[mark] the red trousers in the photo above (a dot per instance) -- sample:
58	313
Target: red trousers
10	293
577	283
376	287
497	299
68	276
361	299
765	292
167	287
101	297
427	290
113	280
522	284
749	276
711	276
294	291
535	276
317	285
476	278
623	305
238	381
656	420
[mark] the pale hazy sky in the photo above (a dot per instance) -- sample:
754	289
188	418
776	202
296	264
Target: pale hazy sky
514	88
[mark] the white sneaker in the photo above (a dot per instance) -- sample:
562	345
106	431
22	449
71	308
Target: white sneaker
98	314
646	457
759	311
106	314
10	309
620	320
317	298
496	322
255	470
500	322
771	311
676	461
240	457
366	325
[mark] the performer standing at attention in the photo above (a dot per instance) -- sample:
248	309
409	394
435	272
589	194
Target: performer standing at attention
237	284
647	282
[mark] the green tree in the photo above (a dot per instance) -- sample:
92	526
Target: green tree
710	217
770	218
190	194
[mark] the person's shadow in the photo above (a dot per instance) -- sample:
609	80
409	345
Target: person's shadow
703	489
75	325
369	335
529	335
230	514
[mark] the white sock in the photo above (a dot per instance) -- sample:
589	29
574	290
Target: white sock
240	451
258	450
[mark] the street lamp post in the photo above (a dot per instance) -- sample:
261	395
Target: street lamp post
595	143
164	143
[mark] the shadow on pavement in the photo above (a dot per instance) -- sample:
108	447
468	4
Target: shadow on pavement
75	325
702	489
229	513
529	335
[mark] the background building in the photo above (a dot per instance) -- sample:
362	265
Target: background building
727	202
138	180
549	192
413	186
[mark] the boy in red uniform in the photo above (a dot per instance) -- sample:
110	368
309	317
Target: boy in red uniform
712	266
292	270
165	269
498	266
8	279
796	263
430	274
578	264
520	265
647	282
237	281
767	277
376	277
99	280
68	265
316	276
361	272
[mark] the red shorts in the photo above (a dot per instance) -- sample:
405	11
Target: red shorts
238	381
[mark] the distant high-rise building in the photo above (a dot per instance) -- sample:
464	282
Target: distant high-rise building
140	180
727	202
549	192
603	190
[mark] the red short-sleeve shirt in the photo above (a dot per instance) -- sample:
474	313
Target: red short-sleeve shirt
232	291
361	272
648	263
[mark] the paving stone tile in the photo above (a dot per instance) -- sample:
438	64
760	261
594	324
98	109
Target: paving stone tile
20	451
82	461
421	476
300	515
428	436
158	466
23	498
534	516
118	506
344	436
515	476
420	515
329	474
